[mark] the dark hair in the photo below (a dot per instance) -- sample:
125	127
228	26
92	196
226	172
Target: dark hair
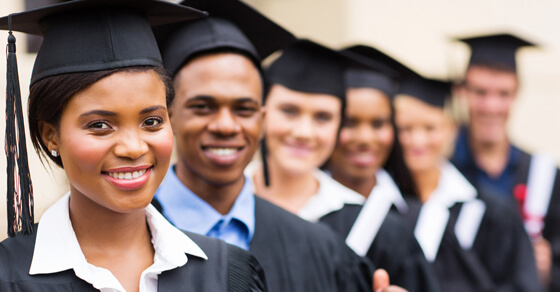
49	96
396	166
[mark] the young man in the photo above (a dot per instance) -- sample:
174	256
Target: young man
217	120
489	160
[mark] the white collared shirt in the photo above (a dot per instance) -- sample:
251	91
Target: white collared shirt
382	197
452	188
331	195
57	249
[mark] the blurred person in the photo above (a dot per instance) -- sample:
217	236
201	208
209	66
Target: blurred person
485	155
475	241
98	109
366	158
304	107
217	120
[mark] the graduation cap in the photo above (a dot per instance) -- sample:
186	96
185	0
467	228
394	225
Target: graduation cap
383	80
496	50
79	36
432	91
232	25
309	67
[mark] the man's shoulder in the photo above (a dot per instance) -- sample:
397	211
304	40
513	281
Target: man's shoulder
280	220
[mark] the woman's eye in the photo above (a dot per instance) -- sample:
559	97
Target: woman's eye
289	111
153	122
378	124
323	117
99	126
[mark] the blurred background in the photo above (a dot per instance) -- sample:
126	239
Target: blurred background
418	33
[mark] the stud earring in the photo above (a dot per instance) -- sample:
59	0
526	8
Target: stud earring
54	153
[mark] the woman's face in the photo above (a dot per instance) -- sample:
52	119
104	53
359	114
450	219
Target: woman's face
301	128
115	141
424	132
367	135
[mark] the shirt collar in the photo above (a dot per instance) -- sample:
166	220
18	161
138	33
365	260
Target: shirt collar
330	197
452	186
57	248
387	185
189	212
463	156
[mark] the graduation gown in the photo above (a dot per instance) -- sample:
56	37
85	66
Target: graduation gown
501	256
228	268
521	167
394	249
301	256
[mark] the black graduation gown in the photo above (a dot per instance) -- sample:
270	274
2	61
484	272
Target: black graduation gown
227	266
501	258
551	230
297	255
394	249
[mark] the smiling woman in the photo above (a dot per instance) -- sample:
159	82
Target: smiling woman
108	132
101	114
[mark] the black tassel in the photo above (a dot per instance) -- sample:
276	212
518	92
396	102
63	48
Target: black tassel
265	163
19	188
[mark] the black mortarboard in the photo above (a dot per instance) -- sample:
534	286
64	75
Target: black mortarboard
431	91
496	50
232	25
79	36
309	67
383	80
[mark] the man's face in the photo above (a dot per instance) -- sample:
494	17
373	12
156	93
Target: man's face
216	118
490	95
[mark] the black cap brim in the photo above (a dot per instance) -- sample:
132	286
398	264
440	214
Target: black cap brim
158	13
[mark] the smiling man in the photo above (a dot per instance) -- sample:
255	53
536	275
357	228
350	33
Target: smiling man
487	158
217	121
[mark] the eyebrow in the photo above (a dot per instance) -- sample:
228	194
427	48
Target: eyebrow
98	112
113	114
153	108
211	98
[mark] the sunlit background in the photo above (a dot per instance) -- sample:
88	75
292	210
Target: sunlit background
418	33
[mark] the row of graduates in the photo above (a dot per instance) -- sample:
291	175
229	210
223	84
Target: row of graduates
427	226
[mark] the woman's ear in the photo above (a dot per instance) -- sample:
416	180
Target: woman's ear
49	136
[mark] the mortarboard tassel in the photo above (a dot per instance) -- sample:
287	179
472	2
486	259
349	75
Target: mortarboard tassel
19	188
265	163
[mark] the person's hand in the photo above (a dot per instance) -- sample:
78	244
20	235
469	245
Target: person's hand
381	282
543	259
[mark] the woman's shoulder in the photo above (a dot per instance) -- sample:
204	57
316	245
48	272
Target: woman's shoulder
16	253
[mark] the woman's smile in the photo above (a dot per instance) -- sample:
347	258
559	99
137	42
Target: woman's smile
128	178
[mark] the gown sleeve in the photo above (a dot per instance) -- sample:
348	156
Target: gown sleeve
511	263
244	272
394	249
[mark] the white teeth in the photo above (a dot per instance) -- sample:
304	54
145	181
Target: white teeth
127	175
222	151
